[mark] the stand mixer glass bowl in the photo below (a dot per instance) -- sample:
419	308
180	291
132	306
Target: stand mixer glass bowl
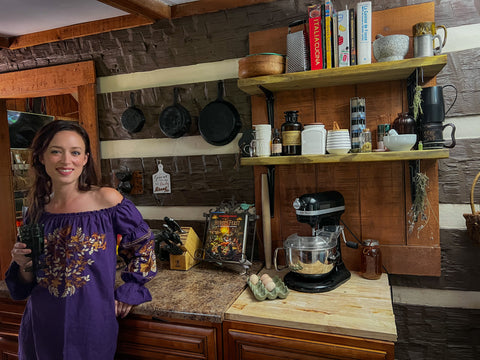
310	255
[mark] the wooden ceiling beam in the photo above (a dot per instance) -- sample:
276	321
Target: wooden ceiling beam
4	42
152	9
209	6
79	30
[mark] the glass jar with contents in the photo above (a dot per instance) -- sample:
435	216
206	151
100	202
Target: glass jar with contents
366	141
291	134
371	260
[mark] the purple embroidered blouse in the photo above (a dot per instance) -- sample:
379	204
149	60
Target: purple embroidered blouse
70	313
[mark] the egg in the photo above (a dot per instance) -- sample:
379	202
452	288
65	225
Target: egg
270	286
265	278
254	279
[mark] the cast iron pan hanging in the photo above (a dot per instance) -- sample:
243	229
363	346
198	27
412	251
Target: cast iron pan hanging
219	121
175	120
133	118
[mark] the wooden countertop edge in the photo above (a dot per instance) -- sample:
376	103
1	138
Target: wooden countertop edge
315	327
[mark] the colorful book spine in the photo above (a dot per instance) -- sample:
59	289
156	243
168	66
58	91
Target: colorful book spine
343	38
353	36
315	34
324	48
328	33
364	32
335	57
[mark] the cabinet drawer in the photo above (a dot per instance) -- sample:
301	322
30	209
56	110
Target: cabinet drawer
10	317
150	339
244	341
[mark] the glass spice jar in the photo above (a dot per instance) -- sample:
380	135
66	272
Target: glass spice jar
371	260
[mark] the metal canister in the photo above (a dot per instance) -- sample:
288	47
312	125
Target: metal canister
371	260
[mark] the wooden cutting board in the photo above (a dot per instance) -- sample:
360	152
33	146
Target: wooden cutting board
359	307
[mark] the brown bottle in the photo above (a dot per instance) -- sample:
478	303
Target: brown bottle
405	124
291	134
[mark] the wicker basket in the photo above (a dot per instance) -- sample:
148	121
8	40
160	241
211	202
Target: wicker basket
473	219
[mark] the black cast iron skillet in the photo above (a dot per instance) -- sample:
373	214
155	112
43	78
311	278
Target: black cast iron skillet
133	118
175	120
219	121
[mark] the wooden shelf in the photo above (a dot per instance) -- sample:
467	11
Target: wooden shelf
352	157
380	71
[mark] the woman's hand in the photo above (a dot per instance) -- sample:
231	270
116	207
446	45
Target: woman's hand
122	309
19	253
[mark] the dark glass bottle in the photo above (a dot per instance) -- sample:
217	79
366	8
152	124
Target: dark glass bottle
276	143
291	134
405	124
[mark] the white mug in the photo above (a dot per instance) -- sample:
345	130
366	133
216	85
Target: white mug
263	132
424	45
260	148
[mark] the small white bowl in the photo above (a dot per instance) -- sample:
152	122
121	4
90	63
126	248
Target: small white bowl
339	151
402	142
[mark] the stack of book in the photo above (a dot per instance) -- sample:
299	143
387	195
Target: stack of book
339	38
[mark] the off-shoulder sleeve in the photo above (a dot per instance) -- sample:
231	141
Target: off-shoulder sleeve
18	289
137	248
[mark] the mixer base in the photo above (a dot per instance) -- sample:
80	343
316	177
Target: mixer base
317	284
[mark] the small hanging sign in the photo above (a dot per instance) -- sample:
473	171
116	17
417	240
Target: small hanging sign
161	181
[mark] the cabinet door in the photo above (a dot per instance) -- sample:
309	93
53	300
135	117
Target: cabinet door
141	338
243	341
10	318
8	349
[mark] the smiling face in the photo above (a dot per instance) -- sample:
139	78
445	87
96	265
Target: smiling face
65	157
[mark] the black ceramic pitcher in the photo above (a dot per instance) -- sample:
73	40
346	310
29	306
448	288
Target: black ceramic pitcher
433	104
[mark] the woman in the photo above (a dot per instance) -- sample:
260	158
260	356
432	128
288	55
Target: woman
72	306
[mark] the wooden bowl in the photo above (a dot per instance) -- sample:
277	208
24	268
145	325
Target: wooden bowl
261	64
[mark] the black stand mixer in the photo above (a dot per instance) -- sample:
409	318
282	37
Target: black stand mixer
316	262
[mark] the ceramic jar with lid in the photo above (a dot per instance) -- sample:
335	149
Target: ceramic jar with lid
405	124
291	134
314	137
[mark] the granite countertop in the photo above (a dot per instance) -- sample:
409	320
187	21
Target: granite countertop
203	293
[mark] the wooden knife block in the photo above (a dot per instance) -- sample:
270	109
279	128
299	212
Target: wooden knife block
190	243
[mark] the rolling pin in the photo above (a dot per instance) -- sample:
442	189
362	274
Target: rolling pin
267	229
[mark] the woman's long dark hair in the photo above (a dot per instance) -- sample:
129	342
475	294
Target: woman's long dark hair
41	189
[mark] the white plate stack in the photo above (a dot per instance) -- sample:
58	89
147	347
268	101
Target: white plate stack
338	141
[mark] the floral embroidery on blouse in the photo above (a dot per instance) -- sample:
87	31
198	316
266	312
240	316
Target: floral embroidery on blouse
140	256
67	257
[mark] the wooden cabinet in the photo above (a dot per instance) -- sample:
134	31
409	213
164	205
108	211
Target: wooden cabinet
153	338
10	318
247	341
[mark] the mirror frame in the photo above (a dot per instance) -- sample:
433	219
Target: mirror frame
77	79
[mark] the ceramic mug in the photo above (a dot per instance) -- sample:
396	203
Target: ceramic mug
263	132
429	27
424	45
260	148
433	104
432	136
